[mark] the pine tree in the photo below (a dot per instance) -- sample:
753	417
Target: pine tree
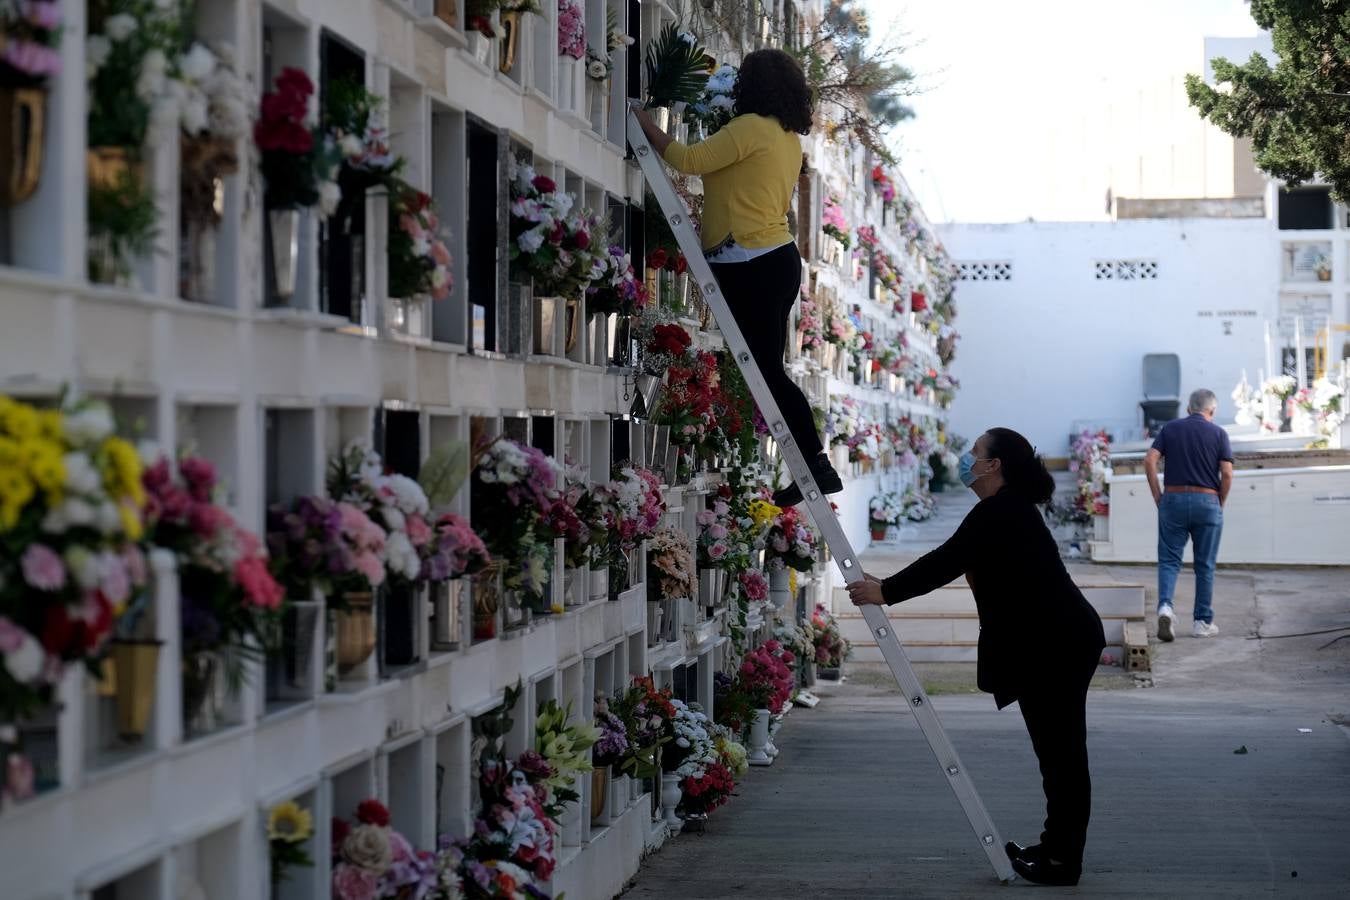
1297	113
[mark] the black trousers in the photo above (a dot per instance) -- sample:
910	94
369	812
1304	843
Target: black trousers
1055	711
761	293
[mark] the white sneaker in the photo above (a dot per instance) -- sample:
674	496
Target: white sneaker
1204	629
1165	623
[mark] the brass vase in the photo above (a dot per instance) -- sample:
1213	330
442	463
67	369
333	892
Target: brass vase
599	792
23	113
510	37
136	664
486	601
105	166
355	625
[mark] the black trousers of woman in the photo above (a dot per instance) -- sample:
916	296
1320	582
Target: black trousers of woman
761	293
1055	711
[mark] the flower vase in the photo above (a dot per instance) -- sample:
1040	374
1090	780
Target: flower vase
355	630
1101	528
759	739
487	598
575	586
136	664
510	39
770	748
199	683
878	534
597	582
780	587
409	317
600	795
649	390
288	671
545	312
670	799
597	337
22	123
653	623
840	454
447	614
283	226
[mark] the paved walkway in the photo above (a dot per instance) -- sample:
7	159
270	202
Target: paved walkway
855	806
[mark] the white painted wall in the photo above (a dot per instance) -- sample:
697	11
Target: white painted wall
1054	345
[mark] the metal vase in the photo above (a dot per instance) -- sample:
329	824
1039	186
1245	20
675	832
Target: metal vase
544	314
284	229
649	390
597	337
199	688
658	449
575	587
288	670
137	665
623	341
779	582
447	614
598	582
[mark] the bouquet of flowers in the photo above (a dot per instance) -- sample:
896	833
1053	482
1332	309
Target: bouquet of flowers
839	330
371	861
394	501
638	506
701	794
571	29
1250	409
1323	402
809	325
734	707
766	678
227	596
715	107
918	506
561	250
833	222
299	163
71	502
1091	460
648	716
33	35
580	516
363	149
844	420
831	646
666	345
600	64
730	751
720	543
611	746
687	406
419	261
670	560
567	750
214	101
799	640
883	185
317	544
617	289
754	585
454	551
691	750
288	827
791	542
512	490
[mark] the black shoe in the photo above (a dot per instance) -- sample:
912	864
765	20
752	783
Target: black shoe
1016	851
827	479
1043	871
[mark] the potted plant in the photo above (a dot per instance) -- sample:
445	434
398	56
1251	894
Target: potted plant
830	645
32	36
884	510
1322	266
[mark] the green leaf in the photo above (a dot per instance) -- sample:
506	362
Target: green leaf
677	70
445	472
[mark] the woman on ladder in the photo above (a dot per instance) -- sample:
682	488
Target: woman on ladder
1040	639
750	169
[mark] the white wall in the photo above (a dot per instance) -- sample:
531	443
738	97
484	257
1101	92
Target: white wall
1054	345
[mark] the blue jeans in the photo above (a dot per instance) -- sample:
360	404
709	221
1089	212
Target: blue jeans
1199	518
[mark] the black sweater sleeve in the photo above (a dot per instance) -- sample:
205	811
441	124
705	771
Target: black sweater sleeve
943	565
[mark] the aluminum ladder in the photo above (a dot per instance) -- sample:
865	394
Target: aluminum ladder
673	208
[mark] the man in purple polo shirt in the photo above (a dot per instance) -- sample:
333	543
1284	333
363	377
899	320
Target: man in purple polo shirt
1199	475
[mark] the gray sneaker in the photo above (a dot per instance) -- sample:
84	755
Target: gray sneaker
1165	618
1204	629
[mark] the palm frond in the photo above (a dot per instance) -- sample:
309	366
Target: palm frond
677	69
444	472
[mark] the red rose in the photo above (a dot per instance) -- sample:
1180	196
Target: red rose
278	105
295	81
372	812
656	259
583	240
340	830
681	265
284	135
544	185
58	630
917	301
557	234
876	365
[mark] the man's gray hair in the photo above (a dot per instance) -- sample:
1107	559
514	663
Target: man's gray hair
1202	401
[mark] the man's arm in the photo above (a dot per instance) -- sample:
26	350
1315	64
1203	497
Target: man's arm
1225	480
1151	470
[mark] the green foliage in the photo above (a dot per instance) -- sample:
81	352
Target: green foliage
125	215
677	69
1297	113
444	473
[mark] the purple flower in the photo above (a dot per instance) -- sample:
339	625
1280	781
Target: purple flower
43	569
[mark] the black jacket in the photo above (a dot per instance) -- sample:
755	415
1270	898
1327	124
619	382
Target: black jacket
1035	625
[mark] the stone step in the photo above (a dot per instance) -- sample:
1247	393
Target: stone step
949	629
945	653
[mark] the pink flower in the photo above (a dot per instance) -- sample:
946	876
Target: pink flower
112	578
134	560
200	476
209	520
260	588
353	883
440	254
32	59
18	777
369	565
419	532
12	637
43	569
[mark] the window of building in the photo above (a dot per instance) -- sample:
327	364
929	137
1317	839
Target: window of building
1126	269
1304	208
984	271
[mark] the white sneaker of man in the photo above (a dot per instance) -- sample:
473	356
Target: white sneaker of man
1204	629
1165	619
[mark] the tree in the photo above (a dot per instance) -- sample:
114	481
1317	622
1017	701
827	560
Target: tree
1297	113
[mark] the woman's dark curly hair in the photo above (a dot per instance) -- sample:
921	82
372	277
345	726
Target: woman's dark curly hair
771	83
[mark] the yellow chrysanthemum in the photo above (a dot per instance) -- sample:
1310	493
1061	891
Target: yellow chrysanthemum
20	420
50	425
792	581
290	823
131	521
15	486
11	453
763	512
45	464
122	470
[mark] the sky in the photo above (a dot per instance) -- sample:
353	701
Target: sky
1007	86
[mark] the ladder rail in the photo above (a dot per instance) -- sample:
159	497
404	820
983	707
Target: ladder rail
822	513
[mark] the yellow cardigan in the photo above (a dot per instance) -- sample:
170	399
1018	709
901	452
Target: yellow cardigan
749	171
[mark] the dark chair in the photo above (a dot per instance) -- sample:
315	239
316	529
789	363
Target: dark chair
1162	389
